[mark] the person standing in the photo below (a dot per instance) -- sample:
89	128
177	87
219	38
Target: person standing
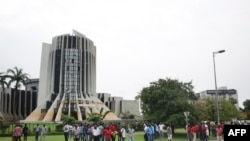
204	132
107	134
89	133
101	131
219	132
25	132
161	131
153	131
207	130
131	131
149	133
37	130
170	133
123	133
66	131
96	133
81	130
113	129
145	132
17	133
189	132
156	131
194	129
43	133
76	133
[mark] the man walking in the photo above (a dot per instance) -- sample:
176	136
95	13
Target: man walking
66	131
25	132
43	133
37	130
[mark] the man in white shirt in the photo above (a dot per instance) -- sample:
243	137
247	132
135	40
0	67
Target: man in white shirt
43	132
123	132
161	130
145	132
96	133
66	131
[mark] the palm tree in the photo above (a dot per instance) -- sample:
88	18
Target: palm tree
18	78
2	80
97	117
105	114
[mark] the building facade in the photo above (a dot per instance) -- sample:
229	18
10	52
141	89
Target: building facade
120	106
16	105
67	82
223	93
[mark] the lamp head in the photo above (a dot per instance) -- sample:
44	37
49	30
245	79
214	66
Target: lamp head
220	51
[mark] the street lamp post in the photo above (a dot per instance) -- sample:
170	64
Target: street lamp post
216	91
186	113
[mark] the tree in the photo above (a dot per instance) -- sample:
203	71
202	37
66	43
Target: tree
166	97
206	109
246	105
68	119
126	115
19	78
97	117
3	81
227	111
246	108
233	100
3	125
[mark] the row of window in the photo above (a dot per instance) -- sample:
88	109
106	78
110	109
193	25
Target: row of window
71	42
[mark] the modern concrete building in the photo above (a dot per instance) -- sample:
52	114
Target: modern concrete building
223	93
16	105
32	85
67	82
131	107
120	106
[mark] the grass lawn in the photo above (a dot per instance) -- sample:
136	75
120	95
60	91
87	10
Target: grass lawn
179	136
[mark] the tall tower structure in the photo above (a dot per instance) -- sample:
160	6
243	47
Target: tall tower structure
67	82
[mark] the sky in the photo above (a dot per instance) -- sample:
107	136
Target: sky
137	41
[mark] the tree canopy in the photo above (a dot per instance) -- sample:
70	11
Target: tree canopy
97	117
246	105
206	109
165	99
17	76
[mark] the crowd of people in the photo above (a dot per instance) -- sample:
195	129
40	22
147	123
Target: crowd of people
98	132
112	132
198	131
153	131
18	132
203	130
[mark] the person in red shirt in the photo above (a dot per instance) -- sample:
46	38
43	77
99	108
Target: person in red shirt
204	131
219	132
107	134
189	131
113	129
17	133
194	130
222	125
